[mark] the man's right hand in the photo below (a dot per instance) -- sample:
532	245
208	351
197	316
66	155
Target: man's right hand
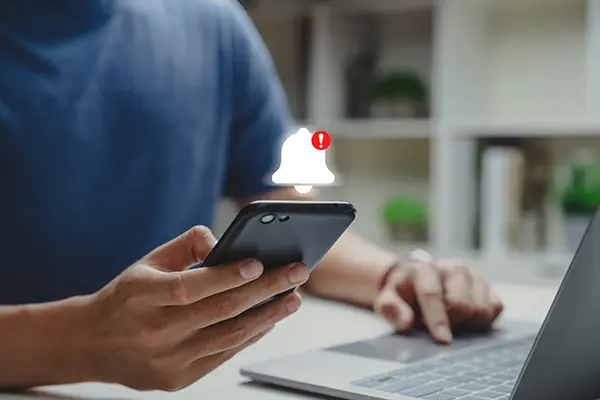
162	326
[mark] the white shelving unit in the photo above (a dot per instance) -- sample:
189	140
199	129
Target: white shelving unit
519	68
374	129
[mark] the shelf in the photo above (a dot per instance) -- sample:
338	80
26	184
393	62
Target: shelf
282	9
275	10
528	128
361	6
378	129
369	129
496	5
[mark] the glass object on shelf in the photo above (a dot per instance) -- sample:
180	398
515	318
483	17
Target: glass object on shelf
406	219
399	94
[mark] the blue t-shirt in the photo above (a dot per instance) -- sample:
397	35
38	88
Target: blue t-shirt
122	122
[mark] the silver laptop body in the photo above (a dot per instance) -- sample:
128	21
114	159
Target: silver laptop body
558	361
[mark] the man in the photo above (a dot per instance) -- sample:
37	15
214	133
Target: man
121	124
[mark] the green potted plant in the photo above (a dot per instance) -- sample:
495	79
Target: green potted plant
406	219
399	94
579	199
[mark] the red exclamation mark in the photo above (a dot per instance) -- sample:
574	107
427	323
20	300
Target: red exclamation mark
321	140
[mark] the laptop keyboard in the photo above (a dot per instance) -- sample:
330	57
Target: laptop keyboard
484	374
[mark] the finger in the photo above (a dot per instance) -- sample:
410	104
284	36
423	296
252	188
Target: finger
392	307
430	295
190	286
232	303
496	304
395	310
234	332
203	366
483	309
457	288
186	250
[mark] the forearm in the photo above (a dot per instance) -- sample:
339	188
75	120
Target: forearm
41	344
351	271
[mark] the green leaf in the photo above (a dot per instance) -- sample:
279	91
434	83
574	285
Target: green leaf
400	85
402	210
581	195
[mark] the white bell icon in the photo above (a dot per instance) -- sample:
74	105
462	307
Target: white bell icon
302	165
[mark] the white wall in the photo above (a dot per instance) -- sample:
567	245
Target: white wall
537	62
407	42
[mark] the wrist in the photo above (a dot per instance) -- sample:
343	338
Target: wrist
42	344
66	327
415	255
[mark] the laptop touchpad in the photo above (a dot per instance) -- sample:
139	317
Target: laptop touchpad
416	346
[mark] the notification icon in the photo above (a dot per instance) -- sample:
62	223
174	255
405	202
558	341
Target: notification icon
321	140
304	162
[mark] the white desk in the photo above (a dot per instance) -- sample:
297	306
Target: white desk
317	324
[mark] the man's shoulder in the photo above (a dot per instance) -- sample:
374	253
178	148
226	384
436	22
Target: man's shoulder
213	23
184	9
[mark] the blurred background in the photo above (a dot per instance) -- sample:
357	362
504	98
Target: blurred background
470	128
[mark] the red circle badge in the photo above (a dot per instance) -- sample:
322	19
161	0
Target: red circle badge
321	140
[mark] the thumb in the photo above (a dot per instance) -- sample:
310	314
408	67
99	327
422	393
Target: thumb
183	252
394	309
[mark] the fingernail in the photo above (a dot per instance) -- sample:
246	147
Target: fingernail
496	300
293	304
405	321
212	240
251	269
298	274
444	334
268	330
390	313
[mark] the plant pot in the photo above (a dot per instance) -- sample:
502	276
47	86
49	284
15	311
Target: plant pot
403	109
380	109
575	227
395	109
421	110
411	233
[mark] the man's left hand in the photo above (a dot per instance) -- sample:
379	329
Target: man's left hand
441	295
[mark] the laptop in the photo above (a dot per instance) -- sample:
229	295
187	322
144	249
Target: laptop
559	360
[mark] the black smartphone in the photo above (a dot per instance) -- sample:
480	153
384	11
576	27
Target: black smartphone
279	233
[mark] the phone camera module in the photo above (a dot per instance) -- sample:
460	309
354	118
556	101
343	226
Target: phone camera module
284	218
267	219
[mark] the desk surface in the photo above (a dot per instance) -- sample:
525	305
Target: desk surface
337	323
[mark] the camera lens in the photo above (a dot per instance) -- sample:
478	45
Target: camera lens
267	219
284	218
